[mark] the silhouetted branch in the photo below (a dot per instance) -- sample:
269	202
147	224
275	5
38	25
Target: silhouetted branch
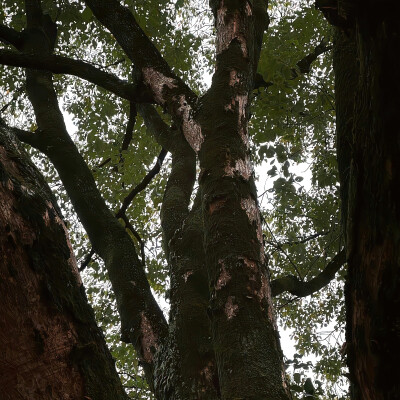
299	288
143	184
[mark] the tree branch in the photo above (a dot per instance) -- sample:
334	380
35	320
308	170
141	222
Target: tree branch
175	205
81	69
302	67
302	289
142	321
10	36
168	89
142	185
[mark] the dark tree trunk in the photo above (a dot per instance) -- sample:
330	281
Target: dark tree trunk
372	208
50	345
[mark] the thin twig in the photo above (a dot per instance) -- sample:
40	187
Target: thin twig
143	184
87	260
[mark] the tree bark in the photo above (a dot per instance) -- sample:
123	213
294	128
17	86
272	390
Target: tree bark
371	181
50	345
244	331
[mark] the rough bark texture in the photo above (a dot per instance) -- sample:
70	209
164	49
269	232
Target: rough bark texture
222	340
372	209
50	345
142	321
243	325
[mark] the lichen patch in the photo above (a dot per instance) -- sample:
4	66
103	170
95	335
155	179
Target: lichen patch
156	81
148	338
231	309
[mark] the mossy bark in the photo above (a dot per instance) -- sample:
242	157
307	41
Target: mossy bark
50	345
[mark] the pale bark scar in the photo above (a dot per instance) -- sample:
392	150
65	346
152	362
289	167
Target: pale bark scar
226	32
186	275
156	81
249	205
249	12
191	129
223	278
206	372
233	78
242	168
148	338
231	309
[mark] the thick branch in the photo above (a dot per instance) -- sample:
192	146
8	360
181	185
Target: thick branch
175	205
304	65
168	89
129	127
81	69
302	289
143	323
10	36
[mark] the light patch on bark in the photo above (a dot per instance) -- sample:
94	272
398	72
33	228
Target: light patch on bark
240	101
249	12
242	168
244	136
223	278
233	78
191	129
46	218
226	32
206	372
186	275
249	205
156	81
72	259
252	265
231	309
265	294
216	205
148	338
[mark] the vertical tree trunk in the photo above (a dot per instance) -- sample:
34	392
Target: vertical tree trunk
245	337
50	345
373	207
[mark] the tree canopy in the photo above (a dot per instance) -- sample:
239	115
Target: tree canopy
292	143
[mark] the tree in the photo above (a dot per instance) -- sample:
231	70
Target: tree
46	321
368	153
221	312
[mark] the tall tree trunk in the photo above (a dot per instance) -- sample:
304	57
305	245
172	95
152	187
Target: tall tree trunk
50	345
245	337
373	207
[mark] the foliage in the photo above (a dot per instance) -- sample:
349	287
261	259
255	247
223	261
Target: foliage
292	130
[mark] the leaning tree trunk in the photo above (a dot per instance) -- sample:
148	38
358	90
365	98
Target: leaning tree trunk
373	206
50	345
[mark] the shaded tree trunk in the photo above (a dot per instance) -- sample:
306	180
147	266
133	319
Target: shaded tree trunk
50	345
369	160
